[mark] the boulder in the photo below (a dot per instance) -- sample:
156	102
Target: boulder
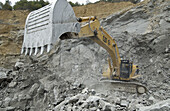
3	76
18	65
93	109
10	108
93	98
124	103
106	106
3	109
12	84
73	100
85	105
7	101
159	106
0	103
33	89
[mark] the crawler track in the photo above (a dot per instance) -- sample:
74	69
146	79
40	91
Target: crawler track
133	87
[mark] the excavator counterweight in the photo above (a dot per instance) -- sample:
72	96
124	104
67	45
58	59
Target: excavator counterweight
57	21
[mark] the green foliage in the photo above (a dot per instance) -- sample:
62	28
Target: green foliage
109	0
1	4
6	6
29	5
74	4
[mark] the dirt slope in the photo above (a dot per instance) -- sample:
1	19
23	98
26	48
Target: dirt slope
12	20
10	23
101	9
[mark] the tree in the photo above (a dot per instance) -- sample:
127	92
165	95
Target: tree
77	4
43	3
7	5
21	5
109	0
29	5
74	4
1	4
103	0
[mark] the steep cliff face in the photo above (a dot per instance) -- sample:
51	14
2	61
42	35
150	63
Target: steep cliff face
68	77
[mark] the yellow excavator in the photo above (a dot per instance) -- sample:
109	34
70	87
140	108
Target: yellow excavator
57	21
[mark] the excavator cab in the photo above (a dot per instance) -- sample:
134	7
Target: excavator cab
125	69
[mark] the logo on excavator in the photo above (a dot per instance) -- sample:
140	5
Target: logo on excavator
105	40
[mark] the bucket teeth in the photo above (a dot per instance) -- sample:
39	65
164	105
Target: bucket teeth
36	50
48	48
22	50
42	50
30	51
26	51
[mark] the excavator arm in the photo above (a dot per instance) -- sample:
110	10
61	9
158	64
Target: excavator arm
93	30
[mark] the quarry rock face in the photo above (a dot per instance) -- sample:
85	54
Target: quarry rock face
68	78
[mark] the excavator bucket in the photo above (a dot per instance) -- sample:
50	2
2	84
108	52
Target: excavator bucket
44	27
